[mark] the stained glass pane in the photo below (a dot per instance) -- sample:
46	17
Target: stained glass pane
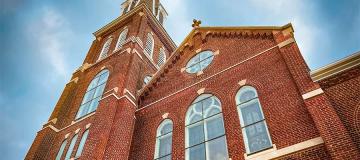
195	133
217	149
196	152
257	137
214	127
165	145
251	112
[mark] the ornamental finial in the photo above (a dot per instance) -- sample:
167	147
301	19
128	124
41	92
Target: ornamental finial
196	23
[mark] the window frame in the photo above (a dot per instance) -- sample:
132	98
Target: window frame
92	98
149	39
71	147
198	55
62	149
106	46
159	136
120	42
163	57
239	105
82	143
204	123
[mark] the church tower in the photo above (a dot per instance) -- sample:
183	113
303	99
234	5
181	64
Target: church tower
95	115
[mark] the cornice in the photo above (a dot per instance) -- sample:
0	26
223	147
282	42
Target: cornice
337	67
205	32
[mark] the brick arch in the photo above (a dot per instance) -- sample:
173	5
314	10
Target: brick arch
357	118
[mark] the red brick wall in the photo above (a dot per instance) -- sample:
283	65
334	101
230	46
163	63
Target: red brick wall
318	152
344	94
286	115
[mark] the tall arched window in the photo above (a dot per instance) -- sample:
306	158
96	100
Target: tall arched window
82	144
205	133
105	49
121	39
61	150
93	94
162	57
255	132
133	3
164	141
71	147
149	45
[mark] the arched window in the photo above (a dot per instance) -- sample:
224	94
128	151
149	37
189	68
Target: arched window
93	94
205	133
121	39
105	49
164	141
147	79
149	46
61	150
162	57
255	132
133	3
71	147
82	144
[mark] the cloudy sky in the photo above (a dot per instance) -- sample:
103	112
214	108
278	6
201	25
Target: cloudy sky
43	42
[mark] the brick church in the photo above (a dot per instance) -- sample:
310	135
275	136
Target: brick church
239	93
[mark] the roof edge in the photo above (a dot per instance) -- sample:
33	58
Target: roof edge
336	67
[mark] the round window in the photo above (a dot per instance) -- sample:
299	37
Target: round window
199	62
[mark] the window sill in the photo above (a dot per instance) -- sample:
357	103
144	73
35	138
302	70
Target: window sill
256	155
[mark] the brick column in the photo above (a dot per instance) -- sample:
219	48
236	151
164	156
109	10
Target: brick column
119	143
329	125
100	130
41	145
337	140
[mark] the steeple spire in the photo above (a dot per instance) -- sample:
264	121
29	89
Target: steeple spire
153	5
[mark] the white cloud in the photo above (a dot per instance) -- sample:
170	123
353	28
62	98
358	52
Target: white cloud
178	23
299	13
50	33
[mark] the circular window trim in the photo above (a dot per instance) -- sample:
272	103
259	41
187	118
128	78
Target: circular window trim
200	70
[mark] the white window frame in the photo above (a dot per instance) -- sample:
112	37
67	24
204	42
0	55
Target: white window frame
129	7
202	122
121	39
159	135
77	116
149	39
105	49
243	128
71	147
61	149
82	143
163	60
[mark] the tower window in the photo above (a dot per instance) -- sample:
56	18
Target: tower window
149	45
93	94
82	143
255	132
105	49
205	133
71	147
199	62
162	57
133	4
61	150
164	141
147	79
121	39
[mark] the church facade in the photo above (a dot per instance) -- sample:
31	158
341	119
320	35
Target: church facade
239	93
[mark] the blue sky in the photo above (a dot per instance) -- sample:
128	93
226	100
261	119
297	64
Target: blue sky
43	42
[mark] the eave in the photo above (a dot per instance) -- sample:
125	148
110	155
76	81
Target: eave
336	67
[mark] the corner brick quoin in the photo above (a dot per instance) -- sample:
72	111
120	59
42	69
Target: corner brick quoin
252	95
